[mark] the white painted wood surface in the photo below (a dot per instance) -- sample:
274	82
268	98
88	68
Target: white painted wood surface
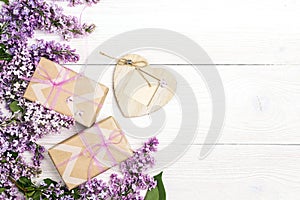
258	154
231	32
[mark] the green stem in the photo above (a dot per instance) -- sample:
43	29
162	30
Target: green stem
62	51
16	184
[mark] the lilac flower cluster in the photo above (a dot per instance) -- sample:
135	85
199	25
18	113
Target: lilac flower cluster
20	129
5	113
23	122
126	186
142	159
133	179
55	191
13	164
26	16
80	2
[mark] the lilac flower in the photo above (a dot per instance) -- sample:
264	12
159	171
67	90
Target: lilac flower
38	15
126	186
79	2
132	181
94	189
141	159
5	113
12	164
20	130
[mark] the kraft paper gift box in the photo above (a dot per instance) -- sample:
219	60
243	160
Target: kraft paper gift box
66	92
90	152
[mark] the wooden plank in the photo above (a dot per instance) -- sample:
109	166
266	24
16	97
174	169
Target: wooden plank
229	172
257	155
261	104
231	32
261	109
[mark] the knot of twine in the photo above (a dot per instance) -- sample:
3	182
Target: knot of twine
138	65
47	79
57	85
101	148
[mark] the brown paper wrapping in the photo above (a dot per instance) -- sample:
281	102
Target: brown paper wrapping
76	164
66	92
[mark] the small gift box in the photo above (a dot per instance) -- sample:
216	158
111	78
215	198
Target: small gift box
66	92
90	152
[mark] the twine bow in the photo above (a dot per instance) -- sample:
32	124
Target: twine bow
54	83
57	85
138	65
97	151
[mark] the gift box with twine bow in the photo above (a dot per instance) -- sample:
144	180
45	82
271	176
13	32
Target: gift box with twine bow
66	92
90	152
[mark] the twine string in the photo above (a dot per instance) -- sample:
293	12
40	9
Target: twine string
92	151
57	85
138	65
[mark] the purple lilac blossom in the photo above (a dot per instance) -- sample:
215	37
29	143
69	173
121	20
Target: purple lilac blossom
131	182
80	2
124	186
20	131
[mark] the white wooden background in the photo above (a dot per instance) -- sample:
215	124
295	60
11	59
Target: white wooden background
256	46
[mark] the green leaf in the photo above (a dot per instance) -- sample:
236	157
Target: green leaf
48	181
14	107
159	192
14	154
5	1
4	55
30	194
152	194
2	190
37	195
76	193
30	188
161	187
24	182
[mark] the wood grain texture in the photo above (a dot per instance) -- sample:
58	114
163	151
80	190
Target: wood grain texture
255	45
231	32
258	153
261	103
230	172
